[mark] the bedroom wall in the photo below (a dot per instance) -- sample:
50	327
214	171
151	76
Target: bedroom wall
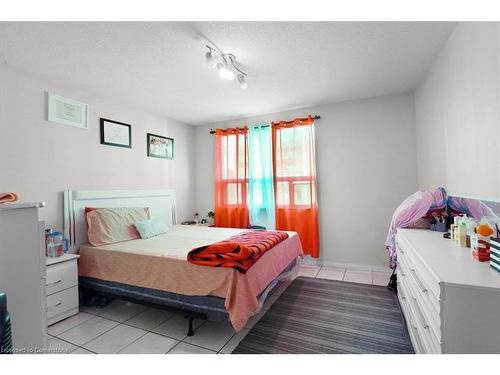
457	114
366	161
40	159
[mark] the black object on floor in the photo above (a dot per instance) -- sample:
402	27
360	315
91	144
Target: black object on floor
5	326
393	282
324	316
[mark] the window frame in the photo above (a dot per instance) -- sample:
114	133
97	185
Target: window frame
224	182
291	190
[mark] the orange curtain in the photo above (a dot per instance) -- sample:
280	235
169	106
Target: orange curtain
231	178
295	181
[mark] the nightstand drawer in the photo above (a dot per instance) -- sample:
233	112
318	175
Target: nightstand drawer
62	303
61	276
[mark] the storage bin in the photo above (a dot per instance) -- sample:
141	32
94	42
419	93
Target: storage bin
439	227
495	254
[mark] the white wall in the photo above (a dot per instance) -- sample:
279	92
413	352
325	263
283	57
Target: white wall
366	160
457	114
39	159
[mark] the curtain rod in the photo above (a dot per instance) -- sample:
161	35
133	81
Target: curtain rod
315	117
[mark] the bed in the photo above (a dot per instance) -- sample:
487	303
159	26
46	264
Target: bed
155	270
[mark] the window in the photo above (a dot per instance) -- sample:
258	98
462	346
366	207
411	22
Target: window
231	178
295	181
281	190
234	169
295	175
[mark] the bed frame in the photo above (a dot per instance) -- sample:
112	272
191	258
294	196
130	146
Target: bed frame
162	206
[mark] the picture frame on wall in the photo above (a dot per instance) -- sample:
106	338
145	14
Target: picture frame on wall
160	147
67	111
114	133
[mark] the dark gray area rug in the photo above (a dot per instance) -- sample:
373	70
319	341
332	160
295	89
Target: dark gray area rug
316	316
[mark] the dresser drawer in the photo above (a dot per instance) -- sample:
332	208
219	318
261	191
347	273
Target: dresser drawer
423	339
61	302
425	322
429	306
425	280
61	276
426	332
413	331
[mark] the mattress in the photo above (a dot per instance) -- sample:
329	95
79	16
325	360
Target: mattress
160	263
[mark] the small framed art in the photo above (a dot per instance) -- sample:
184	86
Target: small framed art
114	133
160	147
67	111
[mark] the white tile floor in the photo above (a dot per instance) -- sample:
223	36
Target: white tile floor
345	274
124	327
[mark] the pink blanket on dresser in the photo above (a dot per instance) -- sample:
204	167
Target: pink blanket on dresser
160	263
409	211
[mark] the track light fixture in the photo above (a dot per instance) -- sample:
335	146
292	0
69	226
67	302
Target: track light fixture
226	65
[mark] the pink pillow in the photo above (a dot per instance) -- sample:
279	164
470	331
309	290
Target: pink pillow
111	225
90	209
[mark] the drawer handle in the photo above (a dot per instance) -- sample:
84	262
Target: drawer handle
419	312
54	283
53	307
403	297
398	247
419	282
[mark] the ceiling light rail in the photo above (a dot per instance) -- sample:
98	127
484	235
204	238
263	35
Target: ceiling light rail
226	65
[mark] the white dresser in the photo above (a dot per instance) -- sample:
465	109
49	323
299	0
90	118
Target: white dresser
22	274
451	302
62	287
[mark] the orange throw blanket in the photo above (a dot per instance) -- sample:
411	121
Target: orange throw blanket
8	197
239	252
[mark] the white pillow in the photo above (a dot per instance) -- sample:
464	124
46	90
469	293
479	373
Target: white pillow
150	227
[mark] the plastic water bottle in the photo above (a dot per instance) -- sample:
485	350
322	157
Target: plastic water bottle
55	245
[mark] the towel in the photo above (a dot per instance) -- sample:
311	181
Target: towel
8	197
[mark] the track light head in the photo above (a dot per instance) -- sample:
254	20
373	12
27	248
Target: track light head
211	59
225	72
242	81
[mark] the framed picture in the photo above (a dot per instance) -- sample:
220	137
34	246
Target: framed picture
114	133
160	147
67	111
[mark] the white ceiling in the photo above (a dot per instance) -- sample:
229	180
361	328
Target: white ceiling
160	66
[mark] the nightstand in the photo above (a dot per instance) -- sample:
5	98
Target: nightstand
205	225
62	287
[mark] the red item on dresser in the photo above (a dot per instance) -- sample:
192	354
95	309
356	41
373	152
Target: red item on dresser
480	248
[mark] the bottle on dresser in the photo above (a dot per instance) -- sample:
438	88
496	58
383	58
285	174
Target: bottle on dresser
55	244
459	231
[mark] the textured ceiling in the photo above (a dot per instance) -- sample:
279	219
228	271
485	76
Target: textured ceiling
160	66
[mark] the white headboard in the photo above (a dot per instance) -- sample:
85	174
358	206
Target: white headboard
161	205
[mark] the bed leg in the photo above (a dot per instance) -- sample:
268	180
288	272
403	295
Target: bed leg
190	326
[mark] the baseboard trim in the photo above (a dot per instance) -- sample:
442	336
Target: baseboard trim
352	266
